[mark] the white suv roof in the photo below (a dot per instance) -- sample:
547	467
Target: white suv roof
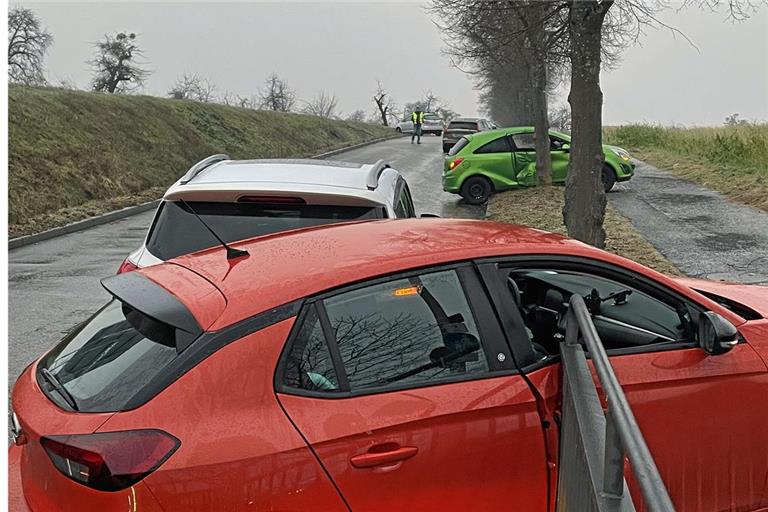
218	178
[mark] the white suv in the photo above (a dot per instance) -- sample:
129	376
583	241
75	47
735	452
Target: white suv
241	199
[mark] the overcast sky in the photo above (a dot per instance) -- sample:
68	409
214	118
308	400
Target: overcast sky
345	48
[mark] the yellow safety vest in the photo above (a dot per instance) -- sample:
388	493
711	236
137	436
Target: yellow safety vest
417	118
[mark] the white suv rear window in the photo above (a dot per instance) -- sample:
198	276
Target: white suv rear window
176	231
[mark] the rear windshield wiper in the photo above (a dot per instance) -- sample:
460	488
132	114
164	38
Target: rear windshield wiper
66	395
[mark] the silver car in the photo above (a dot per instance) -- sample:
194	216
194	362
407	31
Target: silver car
432	124
241	199
461	126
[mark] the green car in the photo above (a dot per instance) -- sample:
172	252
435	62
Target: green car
482	163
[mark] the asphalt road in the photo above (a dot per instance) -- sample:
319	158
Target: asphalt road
702	232
54	285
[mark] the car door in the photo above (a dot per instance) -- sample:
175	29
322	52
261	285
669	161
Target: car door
559	158
495	158
405	389
524	157
702	415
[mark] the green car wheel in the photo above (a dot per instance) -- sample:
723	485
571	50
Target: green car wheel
608	178
476	190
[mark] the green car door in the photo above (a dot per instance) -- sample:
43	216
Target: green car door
525	158
560	158
497	162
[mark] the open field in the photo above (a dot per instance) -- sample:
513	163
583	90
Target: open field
730	159
75	154
542	207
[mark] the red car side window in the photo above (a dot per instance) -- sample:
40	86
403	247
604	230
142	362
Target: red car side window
406	331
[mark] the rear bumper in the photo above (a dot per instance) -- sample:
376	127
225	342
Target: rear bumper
16	500
450	182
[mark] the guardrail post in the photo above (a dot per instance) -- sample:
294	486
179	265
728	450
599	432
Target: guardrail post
593	443
613	467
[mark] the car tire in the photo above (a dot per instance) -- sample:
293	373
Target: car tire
608	177
398	130
476	189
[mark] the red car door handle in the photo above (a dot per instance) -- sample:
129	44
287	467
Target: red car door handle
375	457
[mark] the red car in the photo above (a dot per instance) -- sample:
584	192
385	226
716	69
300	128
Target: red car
380	366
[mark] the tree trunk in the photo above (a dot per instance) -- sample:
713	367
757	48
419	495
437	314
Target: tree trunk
535	58
541	118
584	209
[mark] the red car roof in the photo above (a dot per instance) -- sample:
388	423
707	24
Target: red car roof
287	266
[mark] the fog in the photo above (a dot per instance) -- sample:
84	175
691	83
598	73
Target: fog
344	48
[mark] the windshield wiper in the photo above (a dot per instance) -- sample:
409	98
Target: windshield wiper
66	395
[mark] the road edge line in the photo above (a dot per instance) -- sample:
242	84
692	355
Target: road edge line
15	243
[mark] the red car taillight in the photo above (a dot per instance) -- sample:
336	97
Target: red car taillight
455	163
110	461
126	266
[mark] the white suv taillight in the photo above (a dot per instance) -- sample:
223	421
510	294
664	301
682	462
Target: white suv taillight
127	266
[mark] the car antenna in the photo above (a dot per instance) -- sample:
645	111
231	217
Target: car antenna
232	253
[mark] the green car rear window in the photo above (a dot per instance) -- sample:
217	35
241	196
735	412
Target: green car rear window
458	146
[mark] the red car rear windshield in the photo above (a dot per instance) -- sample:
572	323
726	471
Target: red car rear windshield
176	231
104	362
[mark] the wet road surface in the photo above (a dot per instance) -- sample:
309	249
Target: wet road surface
701	231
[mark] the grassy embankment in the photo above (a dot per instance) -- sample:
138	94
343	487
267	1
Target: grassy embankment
730	159
77	154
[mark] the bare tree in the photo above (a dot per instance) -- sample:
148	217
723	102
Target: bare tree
276	95
235	100
584	209
28	42
384	104
193	87
357	116
516	49
560	117
115	65
322	105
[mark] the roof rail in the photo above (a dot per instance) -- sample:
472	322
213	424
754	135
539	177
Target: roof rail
372	182
200	166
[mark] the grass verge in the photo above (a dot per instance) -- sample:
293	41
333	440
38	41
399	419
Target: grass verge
74	154
542	207
731	159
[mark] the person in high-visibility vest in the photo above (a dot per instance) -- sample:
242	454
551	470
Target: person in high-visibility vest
418	120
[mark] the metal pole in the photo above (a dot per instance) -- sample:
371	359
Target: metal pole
644	468
613	467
